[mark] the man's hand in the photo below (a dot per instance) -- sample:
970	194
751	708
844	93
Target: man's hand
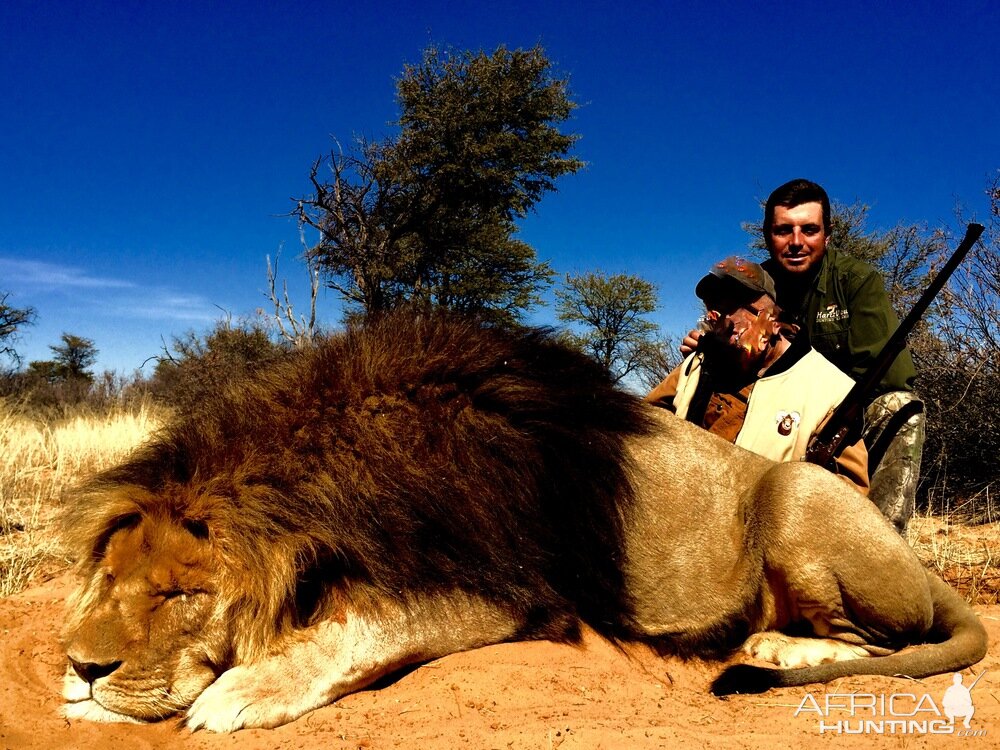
690	342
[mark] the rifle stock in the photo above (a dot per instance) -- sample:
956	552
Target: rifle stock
826	444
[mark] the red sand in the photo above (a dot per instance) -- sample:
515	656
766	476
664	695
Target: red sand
520	695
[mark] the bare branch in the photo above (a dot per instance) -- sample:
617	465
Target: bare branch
298	331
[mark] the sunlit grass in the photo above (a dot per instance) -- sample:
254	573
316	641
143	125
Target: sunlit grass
39	460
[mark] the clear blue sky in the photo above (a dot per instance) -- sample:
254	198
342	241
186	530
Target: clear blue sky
149	151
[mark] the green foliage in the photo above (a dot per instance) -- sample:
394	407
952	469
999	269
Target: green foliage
429	217
43	371
65	380
74	357
610	310
479	131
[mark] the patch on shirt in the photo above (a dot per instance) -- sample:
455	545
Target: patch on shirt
787	421
832	314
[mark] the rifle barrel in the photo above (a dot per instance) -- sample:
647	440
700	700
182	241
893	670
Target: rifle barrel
897	341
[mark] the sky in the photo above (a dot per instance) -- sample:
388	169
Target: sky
150	153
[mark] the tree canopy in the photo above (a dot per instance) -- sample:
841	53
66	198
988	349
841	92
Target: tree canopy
609	312
428	217
74	357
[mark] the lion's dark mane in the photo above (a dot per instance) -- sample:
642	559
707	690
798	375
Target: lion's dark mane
414	455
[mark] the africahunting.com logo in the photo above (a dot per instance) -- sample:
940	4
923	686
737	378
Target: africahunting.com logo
896	713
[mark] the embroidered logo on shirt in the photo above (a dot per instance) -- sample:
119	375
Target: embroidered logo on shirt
787	421
831	314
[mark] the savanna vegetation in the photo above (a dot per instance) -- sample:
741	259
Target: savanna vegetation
428	218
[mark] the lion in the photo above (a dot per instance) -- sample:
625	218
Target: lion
424	485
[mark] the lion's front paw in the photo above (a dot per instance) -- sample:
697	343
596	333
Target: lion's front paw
788	652
248	697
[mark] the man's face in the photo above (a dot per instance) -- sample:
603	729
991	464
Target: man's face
797	239
747	328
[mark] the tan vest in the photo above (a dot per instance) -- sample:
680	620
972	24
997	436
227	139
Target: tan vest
784	409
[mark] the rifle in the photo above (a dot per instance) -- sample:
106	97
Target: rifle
827	443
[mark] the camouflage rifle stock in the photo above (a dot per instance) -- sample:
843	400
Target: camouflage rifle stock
826	444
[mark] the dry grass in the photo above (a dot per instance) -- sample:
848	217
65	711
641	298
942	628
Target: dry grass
39	460
965	555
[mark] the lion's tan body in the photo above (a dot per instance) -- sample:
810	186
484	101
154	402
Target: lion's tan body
756	537
185	609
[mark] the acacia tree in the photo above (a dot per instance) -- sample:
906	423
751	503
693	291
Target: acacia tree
74	357
66	378
610	311
429	216
12	320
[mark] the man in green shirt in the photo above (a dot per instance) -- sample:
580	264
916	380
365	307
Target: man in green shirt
842	304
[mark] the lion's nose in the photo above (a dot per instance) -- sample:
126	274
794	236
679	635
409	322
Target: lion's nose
91	671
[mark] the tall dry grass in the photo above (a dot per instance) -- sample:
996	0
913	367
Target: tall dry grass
42	457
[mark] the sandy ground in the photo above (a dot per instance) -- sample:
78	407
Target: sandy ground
521	695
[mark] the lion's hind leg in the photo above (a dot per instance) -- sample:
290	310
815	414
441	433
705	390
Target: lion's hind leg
834	563
323	662
835	569
811	599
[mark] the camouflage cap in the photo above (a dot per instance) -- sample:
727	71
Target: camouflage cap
748	275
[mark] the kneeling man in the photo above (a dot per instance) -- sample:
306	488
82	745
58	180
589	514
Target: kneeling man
754	379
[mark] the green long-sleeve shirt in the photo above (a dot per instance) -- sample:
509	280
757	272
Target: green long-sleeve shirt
848	316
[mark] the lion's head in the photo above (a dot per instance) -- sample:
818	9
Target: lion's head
177	585
143	637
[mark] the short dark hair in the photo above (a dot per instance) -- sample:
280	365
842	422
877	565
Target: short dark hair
795	193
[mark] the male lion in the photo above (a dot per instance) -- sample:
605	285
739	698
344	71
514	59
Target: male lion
423	486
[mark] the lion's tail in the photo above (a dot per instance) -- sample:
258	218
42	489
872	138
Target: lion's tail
963	643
